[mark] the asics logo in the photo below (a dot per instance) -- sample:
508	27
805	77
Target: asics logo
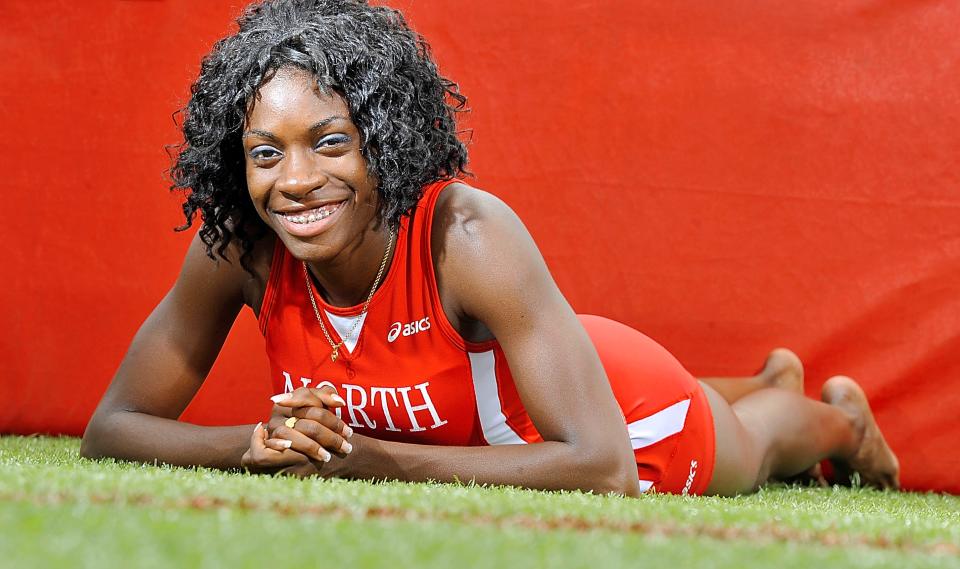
408	329
690	477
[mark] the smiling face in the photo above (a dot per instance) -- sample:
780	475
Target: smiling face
305	172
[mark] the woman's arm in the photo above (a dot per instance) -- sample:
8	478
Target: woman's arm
491	272
164	367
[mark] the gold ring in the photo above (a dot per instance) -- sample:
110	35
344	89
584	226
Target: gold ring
291	422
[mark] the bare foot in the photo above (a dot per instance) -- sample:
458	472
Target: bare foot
873	460
782	369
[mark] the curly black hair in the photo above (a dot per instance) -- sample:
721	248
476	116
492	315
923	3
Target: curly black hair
405	110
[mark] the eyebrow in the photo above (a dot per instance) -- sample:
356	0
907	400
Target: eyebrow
324	122
313	128
258	132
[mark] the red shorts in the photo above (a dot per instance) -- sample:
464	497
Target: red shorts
665	409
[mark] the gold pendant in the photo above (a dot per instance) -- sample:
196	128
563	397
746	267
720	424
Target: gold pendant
334	354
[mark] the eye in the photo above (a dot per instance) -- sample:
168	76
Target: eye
264	152
332	140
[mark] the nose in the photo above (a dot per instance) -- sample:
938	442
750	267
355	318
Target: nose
301	173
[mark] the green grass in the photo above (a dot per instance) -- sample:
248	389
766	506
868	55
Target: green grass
57	509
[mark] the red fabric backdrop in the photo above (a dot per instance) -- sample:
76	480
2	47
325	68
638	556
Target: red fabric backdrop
725	178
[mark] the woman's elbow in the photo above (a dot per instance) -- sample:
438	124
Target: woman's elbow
610	471
88	447
92	444
622	481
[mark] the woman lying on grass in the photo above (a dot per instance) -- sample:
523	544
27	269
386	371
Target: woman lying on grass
412	327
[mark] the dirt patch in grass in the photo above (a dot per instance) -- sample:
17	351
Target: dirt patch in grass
763	533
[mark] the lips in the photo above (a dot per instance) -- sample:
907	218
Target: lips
308	222
311	215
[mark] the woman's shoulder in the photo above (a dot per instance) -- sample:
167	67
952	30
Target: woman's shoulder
463	210
471	227
259	263
245	269
488	266
467	227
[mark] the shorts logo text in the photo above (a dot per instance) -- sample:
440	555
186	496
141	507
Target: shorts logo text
408	329
690	477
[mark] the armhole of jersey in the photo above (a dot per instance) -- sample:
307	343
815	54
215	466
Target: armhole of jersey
430	272
273	282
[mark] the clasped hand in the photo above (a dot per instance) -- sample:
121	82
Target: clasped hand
305	448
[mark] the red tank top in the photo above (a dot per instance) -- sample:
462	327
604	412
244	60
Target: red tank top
405	373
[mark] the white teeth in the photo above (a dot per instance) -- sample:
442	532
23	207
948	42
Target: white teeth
311	217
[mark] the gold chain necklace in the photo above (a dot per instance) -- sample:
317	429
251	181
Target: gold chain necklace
356	321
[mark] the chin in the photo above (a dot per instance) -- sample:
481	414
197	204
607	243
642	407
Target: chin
309	251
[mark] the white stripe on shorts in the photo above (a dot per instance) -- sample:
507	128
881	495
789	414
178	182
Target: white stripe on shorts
654	428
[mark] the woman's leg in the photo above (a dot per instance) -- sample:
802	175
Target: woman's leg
776	433
782	369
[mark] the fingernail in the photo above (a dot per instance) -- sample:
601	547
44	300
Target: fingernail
347	432
346	448
324	455
338	399
260	424
286	443
281	397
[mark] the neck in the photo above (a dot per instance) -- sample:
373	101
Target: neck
346	280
